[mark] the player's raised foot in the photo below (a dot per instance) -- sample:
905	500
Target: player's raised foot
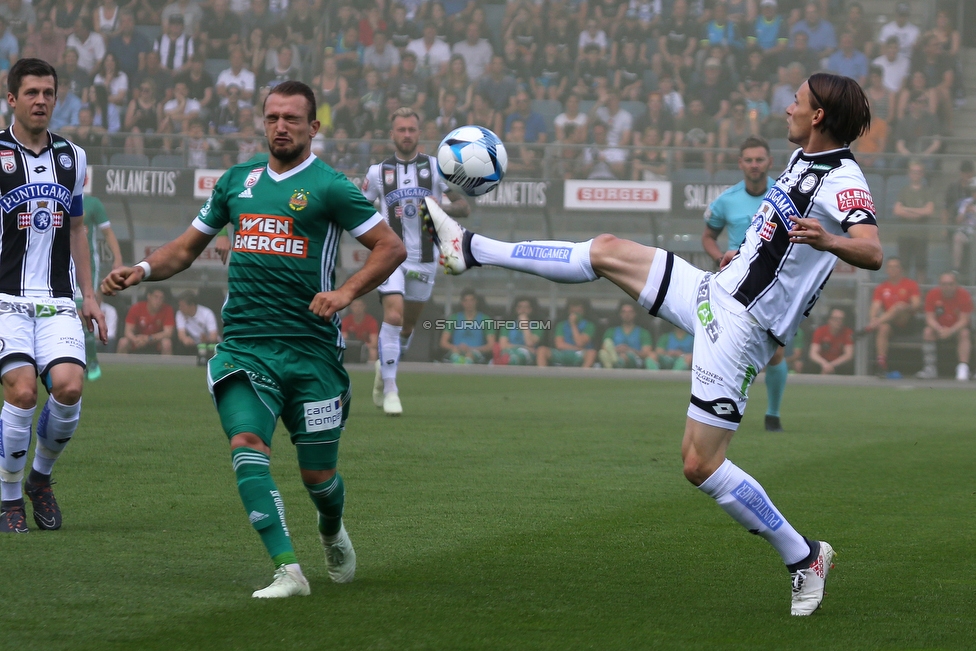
927	373
340	557
453	241
809	582
391	404
288	582
13	518
378	386
47	513
962	372
773	424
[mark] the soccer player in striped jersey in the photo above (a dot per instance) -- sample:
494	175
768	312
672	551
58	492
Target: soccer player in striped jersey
282	350
43	251
733	211
819	210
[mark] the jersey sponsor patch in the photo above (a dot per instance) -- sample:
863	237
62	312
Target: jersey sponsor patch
857	216
323	415
766	231
41	220
854	198
252	177
33	191
401	194
8	161
271	235
539	252
782	204
753	499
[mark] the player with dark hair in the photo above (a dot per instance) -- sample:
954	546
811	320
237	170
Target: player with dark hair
283	348
819	210
44	260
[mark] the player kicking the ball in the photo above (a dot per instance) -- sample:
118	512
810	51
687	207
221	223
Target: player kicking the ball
819	210
282	349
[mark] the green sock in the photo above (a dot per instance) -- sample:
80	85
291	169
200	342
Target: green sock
262	503
775	386
329	498
91	352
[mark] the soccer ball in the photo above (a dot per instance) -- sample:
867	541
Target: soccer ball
472	160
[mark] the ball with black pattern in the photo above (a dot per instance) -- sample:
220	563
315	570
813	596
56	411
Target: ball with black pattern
472	159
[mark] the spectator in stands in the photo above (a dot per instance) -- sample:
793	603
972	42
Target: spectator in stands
848	61
628	74
227	118
408	87
361	333
196	328
755	69
175	46
570	116
523	160
671	97
855	23
678	41
573	344
939	71
563	33
894	64
964	219
714	91
9	48
89	45
236	75
524	32
593	35
149	326
475	50
77	79
197	146
915	207
552	77
699	132
87	135
832	348
734	130
48	44
769	30
110	88
674	350
283	70
628	345
143	116
894	305
372	94
180	111
916	85
497	87
800	52
199	84
535	124
220	30
402	29
20	17
432	53
789	80
189	10
448	116
483	114
348	51
722	33
520	344
330	86
129	46
956	191
160	77
589	69
246	145
900	28
66	110
600	160
337	153
64	13
358	124
259	17
370	23
948	309
757	108
918	132
381	56
516	64
466	339
456	81
821	34
649	162
874	141
620	122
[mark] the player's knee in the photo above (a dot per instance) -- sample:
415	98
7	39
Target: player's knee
249	440
696	469
313	477
22	394
601	251
67	391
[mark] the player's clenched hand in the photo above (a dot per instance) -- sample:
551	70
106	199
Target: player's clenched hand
810	231
325	304
119	279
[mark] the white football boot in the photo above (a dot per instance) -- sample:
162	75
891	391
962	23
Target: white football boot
448	235
808	583
962	372
287	583
340	557
378	386
391	404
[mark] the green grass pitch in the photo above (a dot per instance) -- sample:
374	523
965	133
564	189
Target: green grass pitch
506	513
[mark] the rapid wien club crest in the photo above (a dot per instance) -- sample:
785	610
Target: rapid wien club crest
41	219
299	199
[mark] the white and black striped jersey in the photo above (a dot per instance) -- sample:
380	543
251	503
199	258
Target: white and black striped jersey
401	187
780	281
39	193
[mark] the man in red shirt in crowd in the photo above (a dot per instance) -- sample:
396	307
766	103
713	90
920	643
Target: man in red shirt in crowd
895	303
149	325
947	310
833	345
359	326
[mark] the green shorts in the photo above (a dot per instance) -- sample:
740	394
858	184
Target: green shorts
301	381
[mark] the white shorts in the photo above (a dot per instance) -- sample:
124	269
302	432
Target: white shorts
730	345
39	332
414	280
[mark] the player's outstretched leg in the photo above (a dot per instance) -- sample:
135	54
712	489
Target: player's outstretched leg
15	436
340	557
55	427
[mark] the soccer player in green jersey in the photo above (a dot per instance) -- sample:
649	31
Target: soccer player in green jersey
282	349
96	220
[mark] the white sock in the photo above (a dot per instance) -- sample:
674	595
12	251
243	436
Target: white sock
563	262
55	427
389	346
744	499
15	430
405	342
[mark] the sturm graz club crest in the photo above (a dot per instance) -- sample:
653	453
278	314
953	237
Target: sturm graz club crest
41	219
64	160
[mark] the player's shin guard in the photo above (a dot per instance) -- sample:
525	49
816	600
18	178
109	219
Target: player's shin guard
329	498
15	436
744	499
262	503
389	345
55	428
776	375
563	262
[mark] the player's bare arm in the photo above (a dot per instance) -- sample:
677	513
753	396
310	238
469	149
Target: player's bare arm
710	244
166	261
386	254
862	249
91	313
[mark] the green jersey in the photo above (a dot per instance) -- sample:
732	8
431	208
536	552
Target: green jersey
95	220
286	243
